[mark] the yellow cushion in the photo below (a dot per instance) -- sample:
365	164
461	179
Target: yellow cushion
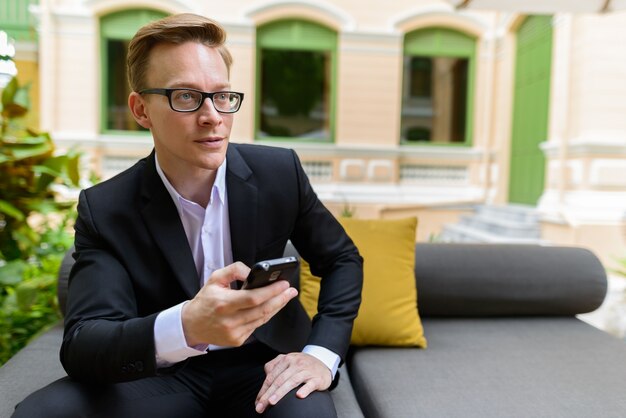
388	314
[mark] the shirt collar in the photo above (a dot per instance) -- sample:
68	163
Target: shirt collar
219	186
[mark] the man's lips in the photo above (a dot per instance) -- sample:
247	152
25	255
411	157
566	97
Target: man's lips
210	141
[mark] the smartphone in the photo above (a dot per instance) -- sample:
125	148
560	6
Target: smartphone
268	271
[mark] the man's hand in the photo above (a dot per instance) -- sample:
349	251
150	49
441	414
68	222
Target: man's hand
223	316
287	372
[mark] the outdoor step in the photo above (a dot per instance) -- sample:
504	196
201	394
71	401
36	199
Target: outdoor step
463	233
513	212
503	227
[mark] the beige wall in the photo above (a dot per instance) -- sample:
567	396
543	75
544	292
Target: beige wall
366	167
28	73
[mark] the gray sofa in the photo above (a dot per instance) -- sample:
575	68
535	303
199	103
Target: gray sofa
503	342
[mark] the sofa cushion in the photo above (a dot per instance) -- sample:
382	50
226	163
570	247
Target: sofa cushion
495	367
496	280
30	369
388	314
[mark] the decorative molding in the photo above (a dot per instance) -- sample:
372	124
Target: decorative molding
102	7
587	146
112	165
318	170
352	169
453	154
439	15
396	194
583	207
608	173
343	21
422	173
141	143
375	167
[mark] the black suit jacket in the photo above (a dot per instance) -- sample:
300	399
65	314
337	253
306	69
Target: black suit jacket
133	261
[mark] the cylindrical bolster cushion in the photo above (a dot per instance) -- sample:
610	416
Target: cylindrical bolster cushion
488	280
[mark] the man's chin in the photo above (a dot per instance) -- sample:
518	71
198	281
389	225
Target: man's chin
213	162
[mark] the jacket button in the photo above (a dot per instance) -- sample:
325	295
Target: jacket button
139	366
124	370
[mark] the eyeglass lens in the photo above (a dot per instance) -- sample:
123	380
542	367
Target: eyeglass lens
188	100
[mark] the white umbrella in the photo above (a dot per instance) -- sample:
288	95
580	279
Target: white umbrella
542	6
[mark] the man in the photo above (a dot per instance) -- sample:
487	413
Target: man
156	325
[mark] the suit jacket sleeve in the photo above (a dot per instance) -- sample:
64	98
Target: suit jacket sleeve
322	241
105	338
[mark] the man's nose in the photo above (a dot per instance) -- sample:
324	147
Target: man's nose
208	114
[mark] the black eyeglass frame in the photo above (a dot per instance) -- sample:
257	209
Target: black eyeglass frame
168	94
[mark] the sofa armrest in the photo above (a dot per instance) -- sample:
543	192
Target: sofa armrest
474	280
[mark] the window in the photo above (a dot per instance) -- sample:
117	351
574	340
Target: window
295	81
437	87
116	30
17	21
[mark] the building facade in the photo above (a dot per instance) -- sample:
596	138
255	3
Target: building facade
399	108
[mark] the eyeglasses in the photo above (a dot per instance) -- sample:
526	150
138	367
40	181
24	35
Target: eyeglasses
190	100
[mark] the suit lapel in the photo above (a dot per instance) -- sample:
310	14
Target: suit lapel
242	206
164	224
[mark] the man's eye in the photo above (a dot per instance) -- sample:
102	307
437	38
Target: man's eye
184	96
222	97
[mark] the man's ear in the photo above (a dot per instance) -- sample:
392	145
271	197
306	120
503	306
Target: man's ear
137	105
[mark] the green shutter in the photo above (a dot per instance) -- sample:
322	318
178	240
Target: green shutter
439	42
124	24
297	35
530	109
16	21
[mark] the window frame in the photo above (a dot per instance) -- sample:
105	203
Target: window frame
300	35
443	42
119	26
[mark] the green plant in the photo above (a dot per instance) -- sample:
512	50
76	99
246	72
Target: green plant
29	303
347	210
34	222
28	169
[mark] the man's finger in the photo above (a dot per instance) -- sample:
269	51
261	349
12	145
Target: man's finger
272	369
284	384
259	315
225	276
306	389
250	298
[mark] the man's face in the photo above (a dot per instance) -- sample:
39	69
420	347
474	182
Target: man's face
185	141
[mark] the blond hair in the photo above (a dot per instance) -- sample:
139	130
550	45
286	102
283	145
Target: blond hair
175	29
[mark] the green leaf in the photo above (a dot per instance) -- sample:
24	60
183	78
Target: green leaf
73	169
50	170
15	101
11	273
42	169
31	140
23	152
43	206
26	294
10	210
22	97
9	92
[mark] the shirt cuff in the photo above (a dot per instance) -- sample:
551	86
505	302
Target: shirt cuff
329	358
169	339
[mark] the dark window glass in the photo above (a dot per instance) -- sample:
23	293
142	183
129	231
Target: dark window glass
434	105
118	116
295	94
